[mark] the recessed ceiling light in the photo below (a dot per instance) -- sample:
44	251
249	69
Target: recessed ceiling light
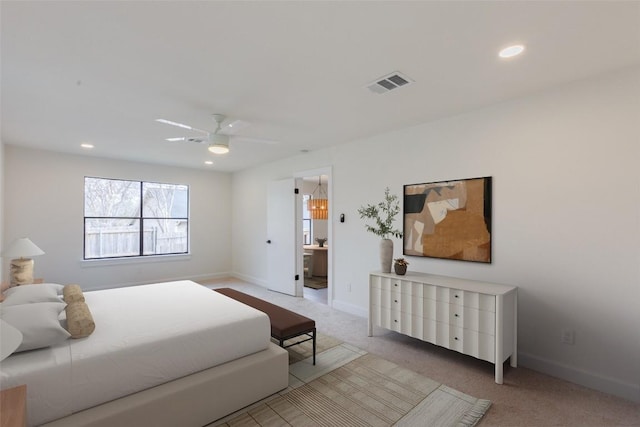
511	51
85	145
208	162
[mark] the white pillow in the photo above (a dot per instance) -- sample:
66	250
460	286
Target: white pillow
58	287
27	294
10	339
37	322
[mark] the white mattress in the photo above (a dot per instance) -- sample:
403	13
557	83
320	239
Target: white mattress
145	336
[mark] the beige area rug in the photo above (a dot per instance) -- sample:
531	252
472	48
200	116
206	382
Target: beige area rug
305	350
349	387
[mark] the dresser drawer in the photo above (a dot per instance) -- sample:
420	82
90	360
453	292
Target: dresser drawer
394	320
426	308
390	299
466	341
407	287
390	296
467	299
466	317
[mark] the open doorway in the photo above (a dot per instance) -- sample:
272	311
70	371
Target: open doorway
315	247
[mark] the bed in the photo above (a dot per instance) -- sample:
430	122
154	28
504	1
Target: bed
164	354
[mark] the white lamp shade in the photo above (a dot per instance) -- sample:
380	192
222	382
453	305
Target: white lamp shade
22	248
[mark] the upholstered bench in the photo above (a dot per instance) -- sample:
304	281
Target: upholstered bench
285	324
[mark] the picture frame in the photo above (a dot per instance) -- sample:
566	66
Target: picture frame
449	219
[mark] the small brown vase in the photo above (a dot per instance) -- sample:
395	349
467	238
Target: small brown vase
400	269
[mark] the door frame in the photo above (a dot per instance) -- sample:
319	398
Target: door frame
327	171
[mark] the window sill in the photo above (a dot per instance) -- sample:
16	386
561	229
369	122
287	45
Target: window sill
88	263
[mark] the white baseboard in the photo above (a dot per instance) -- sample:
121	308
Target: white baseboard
356	310
588	379
166	279
250	279
204	277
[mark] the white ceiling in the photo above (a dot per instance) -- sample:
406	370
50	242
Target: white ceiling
101	72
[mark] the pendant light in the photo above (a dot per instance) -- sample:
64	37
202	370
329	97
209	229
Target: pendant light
318	206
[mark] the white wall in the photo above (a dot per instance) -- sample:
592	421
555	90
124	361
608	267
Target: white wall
566	217
44	200
1	208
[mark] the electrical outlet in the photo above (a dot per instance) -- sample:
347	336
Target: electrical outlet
568	336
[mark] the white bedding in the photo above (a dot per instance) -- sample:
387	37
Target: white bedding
145	336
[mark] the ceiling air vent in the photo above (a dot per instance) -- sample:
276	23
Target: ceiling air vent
388	83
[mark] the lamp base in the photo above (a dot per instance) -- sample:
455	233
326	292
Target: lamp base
21	272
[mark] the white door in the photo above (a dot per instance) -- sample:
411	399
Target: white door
282	203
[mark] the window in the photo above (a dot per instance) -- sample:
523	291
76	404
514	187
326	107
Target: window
306	220
134	218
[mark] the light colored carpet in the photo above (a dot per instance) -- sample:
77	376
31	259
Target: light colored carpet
349	387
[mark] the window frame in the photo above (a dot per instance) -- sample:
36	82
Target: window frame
305	213
141	219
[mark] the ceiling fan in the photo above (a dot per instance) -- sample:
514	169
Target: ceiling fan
218	140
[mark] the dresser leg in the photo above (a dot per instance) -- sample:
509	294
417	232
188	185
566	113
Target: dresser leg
498	373
499	338
514	355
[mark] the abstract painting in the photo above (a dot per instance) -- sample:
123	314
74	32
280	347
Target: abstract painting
449	219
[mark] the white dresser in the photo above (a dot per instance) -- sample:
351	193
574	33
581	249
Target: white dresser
474	318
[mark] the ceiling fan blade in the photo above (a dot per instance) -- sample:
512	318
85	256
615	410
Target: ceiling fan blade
181	125
235	126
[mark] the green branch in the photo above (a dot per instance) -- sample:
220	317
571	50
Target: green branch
383	214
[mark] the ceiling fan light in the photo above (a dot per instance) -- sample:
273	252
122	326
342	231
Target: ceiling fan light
219	148
219	143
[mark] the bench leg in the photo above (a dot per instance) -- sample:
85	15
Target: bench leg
311	335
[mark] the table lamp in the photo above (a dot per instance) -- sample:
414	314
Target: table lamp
21	271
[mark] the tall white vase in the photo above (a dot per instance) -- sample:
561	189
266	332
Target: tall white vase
386	255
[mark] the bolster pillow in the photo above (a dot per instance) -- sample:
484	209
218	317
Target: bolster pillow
80	322
72	293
